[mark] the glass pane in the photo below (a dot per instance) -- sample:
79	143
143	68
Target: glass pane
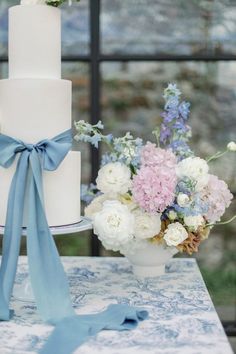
3	71
132	100
75	27
168	27
78	73
4	5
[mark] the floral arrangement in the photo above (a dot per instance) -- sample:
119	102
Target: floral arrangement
54	3
160	193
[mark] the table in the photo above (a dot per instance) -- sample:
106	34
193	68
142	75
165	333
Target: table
182	316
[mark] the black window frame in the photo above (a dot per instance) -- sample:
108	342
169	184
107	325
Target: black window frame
95	59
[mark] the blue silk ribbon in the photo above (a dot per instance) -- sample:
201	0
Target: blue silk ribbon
74	331
48	279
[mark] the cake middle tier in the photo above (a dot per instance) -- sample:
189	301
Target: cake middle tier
35	109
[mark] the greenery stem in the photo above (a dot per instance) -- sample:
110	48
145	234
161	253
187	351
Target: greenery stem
222	223
217	155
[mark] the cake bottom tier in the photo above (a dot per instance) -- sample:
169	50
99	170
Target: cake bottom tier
61	191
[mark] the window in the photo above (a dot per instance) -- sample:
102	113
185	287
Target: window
119	56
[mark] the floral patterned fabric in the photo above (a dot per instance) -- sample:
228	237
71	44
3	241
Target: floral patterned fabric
182	316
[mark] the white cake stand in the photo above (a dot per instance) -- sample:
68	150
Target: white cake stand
22	290
83	225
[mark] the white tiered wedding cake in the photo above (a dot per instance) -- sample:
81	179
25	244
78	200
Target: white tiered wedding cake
35	103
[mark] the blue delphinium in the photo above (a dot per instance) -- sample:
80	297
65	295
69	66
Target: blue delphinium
88	193
91	133
186	186
181	149
126	150
174	132
195	207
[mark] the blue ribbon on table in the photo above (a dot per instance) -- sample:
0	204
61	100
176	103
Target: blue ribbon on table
48	278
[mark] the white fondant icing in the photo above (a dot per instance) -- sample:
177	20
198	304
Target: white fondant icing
33	2
35	109
61	191
34	42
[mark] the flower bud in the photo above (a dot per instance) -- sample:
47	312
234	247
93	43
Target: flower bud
231	146
172	215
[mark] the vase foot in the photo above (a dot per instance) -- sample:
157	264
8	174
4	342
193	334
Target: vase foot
148	271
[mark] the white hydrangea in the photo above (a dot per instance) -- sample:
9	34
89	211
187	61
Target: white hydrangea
114	178
195	169
193	222
114	225
183	199
175	234
33	2
95	206
146	225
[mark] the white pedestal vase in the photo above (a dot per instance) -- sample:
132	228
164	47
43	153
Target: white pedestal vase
150	259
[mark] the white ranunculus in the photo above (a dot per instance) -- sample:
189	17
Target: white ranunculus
114	178
175	234
231	146
33	2
114	225
196	169
193	222
146	225
95	206
183	199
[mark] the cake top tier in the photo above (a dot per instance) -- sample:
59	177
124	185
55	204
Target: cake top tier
34	42
33	2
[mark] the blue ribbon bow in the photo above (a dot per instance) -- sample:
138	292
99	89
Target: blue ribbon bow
48	279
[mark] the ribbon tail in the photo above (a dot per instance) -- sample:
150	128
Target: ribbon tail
72	332
48	278
12	235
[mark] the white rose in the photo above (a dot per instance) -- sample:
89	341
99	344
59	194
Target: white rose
196	169
175	234
33	2
231	146
146	225
193	222
95	206
114	225
172	215
183	199
114	178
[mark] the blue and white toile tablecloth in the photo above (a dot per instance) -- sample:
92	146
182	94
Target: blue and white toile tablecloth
182	317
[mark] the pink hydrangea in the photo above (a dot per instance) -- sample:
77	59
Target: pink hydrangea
154	187
151	155
218	198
